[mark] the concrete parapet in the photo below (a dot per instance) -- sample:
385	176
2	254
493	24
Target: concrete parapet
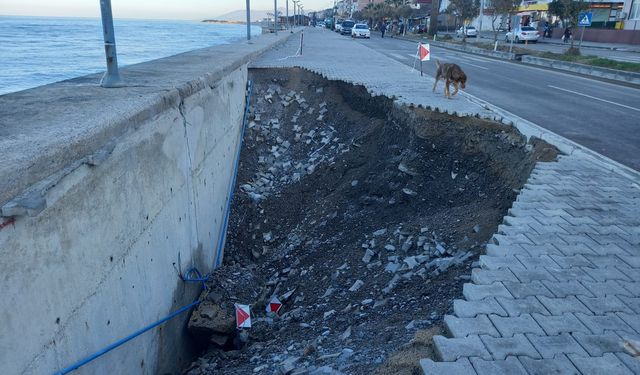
476	50
109	191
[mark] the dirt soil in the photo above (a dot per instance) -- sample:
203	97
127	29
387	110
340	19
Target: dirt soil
363	217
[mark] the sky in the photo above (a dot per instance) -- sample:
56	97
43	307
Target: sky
144	9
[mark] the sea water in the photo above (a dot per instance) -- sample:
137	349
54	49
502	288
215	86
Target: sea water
35	51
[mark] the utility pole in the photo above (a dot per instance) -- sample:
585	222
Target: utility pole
287	11
112	77
481	16
275	16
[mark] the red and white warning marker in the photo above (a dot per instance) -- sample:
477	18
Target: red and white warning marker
274	305
424	52
243	316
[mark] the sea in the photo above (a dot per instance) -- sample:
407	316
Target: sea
35	51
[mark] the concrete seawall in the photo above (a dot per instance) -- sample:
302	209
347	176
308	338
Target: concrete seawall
103	192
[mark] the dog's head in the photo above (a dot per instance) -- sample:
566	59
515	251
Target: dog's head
463	80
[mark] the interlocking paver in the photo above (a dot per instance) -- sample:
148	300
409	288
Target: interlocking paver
632	289
473	292
597	345
529	275
551	346
606	304
569	250
633	363
567	288
632	273
517	307
604	274
510	366
604	261
572	261
450	350
536	262
463	327
600	323
459	367
522	290
480	276
509	326
568	274
559	365
632	303
501	347
608	364
567	304
633	320
495	263
470	309
503	251
605	288
555	325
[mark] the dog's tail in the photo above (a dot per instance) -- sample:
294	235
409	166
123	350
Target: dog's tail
437	63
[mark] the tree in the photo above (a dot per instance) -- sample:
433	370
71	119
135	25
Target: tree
501	8
467	10
568	11
433	18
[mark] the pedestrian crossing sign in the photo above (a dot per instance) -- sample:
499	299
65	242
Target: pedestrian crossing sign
584	18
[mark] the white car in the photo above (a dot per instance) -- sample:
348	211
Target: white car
469	31
360	30
522	34
338	27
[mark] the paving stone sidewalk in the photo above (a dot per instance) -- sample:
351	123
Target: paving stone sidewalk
558	290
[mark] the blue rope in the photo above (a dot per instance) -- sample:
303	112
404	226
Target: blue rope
192	274
232	183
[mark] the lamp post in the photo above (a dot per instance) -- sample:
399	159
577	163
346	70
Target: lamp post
248	20
112	77
295	6
287	11
275	16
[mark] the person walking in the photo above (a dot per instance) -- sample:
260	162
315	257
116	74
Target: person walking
567	34
382	28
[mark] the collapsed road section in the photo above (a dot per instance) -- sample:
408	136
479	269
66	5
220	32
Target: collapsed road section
361	217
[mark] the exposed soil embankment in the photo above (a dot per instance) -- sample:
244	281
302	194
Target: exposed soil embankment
363	218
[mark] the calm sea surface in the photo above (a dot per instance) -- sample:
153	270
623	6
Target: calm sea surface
35	51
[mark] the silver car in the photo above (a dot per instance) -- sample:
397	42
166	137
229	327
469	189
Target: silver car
469	31
523	34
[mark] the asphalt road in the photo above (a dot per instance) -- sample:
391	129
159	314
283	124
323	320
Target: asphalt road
602	116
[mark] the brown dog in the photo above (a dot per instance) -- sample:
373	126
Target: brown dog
450	73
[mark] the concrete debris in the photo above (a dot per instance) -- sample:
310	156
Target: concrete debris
411	262
356	286
404	169
476	228
346	334
409	192
368	255
390	247
392	267
328	314
380	232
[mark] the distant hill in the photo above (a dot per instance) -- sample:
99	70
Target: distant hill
256	15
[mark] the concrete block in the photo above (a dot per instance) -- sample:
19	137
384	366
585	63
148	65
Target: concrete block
450	350
509	326
571	274
500	251
574	249
463	327
559	306
632	303
633	363
597	324
633	320
609	287
510	366
606	304
608	364
559	365
551	346
522	290
572	261
555	325
567	288
511	240
604	261
633	274
459	367
517	307
480	276
631	260
473	292
632	289
597	345
604	274
469	309
540	250
537	261
529	275
502	347
495	263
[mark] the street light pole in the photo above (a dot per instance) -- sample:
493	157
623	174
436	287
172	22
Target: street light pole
112	77
287	10
275	16
248	20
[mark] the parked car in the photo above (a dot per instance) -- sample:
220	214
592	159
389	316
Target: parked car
338	27
522	34
469	31
360	30
346	27
419	29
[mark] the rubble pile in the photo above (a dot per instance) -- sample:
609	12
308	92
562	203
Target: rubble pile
363	227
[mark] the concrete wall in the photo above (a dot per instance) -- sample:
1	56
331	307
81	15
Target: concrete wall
107	188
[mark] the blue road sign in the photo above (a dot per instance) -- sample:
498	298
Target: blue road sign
584	19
